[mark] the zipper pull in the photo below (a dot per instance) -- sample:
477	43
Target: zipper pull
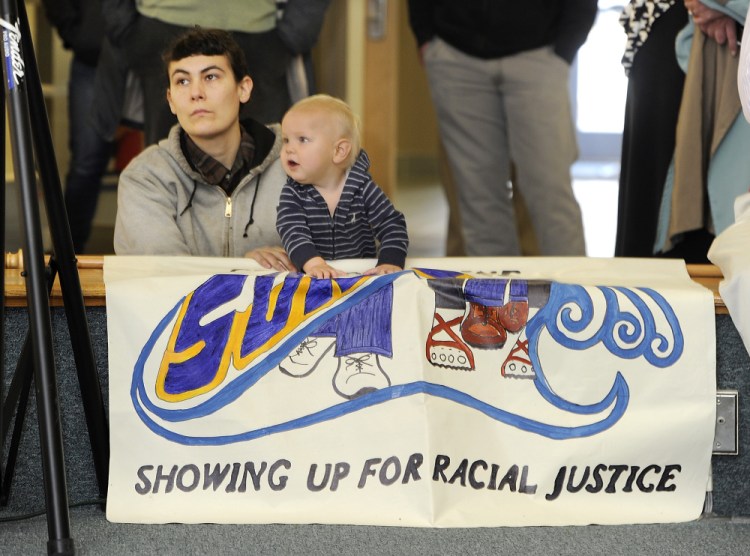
228	208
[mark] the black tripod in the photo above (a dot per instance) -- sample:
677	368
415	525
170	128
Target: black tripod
31	141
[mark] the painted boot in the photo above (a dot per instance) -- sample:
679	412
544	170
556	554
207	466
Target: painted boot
513	315
480	330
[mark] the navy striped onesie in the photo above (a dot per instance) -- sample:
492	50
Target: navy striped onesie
364	220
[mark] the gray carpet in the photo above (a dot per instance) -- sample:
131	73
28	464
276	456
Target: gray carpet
92	534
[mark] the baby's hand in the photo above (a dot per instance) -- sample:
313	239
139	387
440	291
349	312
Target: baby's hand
383	269
318	268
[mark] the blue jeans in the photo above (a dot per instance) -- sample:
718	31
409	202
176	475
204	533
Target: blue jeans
89	155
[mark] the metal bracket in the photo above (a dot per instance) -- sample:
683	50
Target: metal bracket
726	435
377	19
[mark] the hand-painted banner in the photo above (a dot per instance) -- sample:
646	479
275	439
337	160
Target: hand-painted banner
459	392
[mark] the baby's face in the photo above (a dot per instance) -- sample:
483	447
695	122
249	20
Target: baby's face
309	145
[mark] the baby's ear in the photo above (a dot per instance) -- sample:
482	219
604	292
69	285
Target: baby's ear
341	151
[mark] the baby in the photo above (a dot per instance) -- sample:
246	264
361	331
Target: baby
330	208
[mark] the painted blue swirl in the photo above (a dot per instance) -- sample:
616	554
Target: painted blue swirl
628	330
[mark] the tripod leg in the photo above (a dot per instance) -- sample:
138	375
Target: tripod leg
75	311
24	372
2	285
53	461
17	401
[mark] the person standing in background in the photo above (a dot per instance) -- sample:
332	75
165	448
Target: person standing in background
710	166
81	28
498	75
143	28
655	83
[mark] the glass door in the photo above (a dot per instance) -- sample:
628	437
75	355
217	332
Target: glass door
599	87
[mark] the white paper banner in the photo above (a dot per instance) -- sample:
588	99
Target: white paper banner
461	393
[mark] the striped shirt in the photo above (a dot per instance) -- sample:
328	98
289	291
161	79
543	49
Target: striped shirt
364	218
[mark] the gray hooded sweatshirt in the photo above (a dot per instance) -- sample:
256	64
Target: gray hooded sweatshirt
165	208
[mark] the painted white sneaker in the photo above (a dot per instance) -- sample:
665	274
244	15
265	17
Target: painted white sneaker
306	356
358	374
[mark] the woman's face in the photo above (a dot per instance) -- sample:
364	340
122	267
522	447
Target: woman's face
205	96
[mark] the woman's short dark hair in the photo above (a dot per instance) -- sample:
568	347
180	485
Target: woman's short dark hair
207	42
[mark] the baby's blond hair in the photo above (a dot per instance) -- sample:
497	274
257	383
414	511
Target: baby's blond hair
348	122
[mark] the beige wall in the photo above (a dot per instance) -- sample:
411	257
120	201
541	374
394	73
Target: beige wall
417	126
331	53
339	61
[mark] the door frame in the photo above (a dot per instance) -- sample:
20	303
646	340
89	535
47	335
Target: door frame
363	70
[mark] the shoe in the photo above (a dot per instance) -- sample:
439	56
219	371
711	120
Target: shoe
359	374
513	315
306	356
518	363
480	331
444	347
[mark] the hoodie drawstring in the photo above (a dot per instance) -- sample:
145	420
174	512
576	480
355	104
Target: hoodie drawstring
190	200
252	205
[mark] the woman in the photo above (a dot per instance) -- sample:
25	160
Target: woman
653	101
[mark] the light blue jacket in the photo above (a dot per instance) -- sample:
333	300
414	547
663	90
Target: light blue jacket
729	168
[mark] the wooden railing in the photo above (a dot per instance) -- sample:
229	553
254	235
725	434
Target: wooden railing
90	270
709	276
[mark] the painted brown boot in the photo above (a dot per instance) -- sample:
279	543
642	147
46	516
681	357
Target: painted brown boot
513	315
481	331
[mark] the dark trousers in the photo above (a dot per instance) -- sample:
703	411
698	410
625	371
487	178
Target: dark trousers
648	139
90	154
267	60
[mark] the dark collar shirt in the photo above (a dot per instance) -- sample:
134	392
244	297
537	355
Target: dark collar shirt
213	171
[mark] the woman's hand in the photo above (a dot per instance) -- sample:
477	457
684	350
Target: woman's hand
723	30
701	13
271	257
714	24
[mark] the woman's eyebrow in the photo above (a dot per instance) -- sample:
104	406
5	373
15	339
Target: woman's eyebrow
202	71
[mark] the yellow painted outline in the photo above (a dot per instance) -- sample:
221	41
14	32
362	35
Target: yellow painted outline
426	276
232	349
171	356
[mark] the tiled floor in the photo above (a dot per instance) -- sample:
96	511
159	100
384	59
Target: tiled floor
426	210
422	202
598	200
